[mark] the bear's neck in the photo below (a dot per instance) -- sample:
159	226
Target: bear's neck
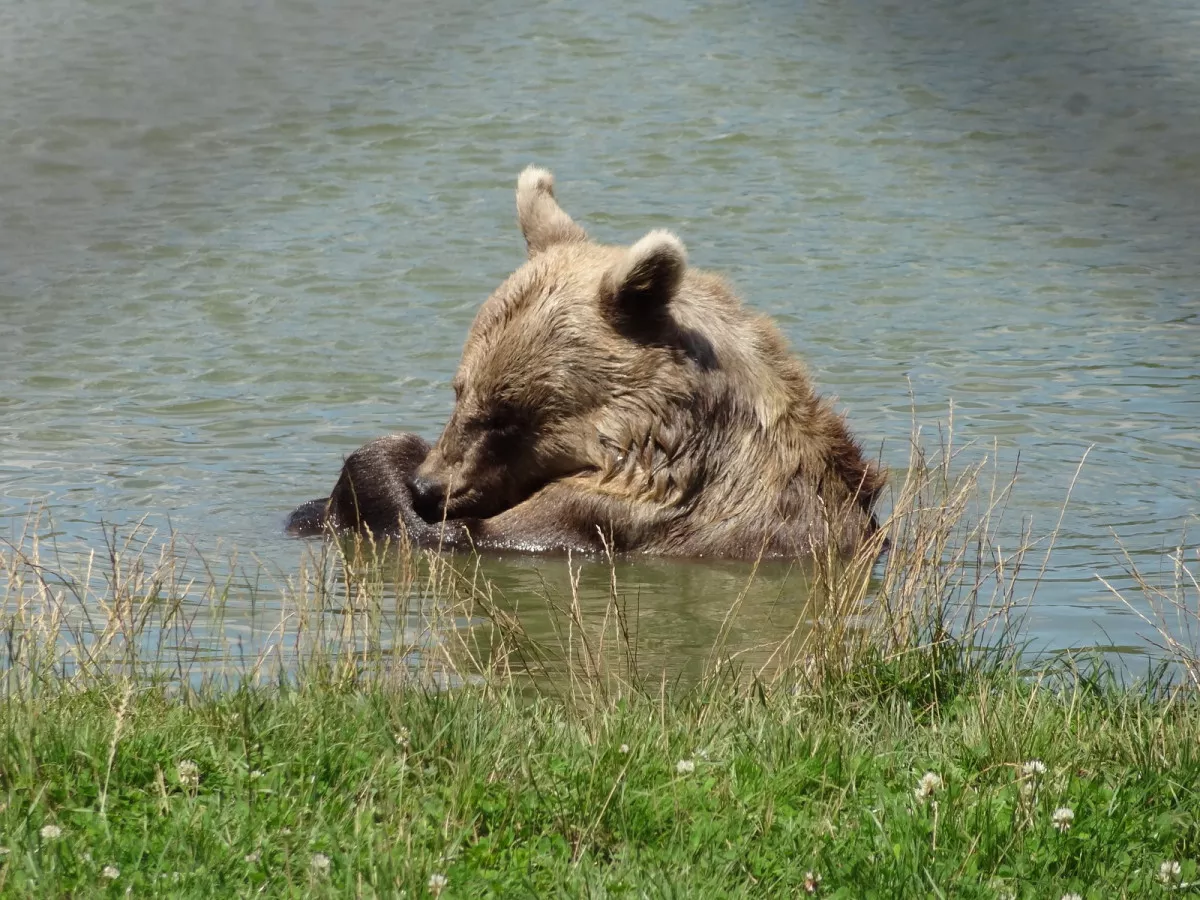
674	448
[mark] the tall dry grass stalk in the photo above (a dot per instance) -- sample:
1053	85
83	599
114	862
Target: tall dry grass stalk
1169	605
943	572
128	610
945	579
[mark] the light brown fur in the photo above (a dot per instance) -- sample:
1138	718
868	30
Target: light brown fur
614	396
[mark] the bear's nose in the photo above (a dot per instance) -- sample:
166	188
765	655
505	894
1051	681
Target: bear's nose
428	498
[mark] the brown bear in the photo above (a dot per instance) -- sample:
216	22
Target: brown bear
615	398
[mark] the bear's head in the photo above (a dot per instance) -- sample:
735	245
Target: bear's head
577	331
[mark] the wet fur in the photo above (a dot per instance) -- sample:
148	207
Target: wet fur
612	396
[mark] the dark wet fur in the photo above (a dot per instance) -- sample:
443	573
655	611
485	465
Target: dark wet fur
372	492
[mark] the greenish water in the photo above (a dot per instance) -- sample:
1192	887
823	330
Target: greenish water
238	240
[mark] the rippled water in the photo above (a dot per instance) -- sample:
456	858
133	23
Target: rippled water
238	240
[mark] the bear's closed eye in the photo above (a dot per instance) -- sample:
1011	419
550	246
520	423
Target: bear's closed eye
504	417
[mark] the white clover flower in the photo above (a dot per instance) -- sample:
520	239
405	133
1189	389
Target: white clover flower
624	748
50	832
1034	768
812	881
253	857
256	773
1062	819
1071	897
929	784
437	883
112	873
402	736
320	863
1169	872
189	773
685	767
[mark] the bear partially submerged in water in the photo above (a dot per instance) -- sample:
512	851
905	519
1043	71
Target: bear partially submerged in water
613	397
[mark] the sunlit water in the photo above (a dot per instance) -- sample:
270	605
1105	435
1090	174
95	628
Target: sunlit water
238	240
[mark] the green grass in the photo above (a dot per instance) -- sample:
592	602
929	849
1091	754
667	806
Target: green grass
130	767
508	796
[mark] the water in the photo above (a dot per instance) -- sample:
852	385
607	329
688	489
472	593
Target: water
238	240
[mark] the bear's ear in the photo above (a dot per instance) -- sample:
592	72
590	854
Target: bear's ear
542	220
635	292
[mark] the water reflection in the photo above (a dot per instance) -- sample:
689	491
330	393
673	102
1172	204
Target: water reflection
665	618
463	616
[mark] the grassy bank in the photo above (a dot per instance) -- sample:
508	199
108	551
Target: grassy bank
897	743
367	792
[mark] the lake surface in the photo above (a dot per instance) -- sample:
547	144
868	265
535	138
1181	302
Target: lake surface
239	240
